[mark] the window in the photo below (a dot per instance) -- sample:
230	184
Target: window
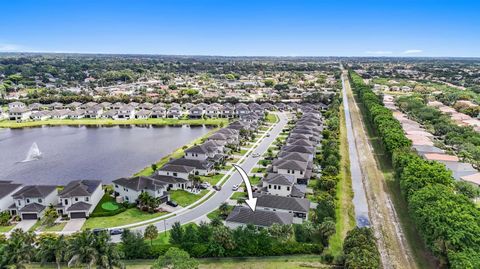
279	187
19	202
39	200
116	186
288	188
76	199
174	174
87	199
66	201
301	172
28	200
269	186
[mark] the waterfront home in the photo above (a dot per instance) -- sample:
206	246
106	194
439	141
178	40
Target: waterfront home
35	107
59	114
40	115
227	112
213	110
146	106
173	183
55	106
77	114
31	201
93	112
7	189
174	112
241	109
79	198
16	105
202	167
19	113
283	185
299	207
126	112
143	114
110	114
181	171
242	216
106	105
158	112
195	112
204	151
129	189
117	105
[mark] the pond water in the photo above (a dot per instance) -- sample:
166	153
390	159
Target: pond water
57	155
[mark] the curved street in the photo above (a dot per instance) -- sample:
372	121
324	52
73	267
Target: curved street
224	194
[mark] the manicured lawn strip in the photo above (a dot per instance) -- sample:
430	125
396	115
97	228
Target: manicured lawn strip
129	216
344	208
273	262
238	195
213	180
233	160
106	204
259	170
147	171
227	167
263	129
6	229
184	198
272	118
55	228
111	122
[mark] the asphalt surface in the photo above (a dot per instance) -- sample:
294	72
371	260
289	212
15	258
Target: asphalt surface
359	197
223	195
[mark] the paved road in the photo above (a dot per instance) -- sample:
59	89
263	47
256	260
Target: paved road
359	197
219	197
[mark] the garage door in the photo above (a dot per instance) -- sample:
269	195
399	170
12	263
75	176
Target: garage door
78	215
164	199
29	216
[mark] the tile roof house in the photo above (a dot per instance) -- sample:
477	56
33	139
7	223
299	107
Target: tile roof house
297	206
202	167
79	198
181	171
32	200
195	112
283	185
7	189
241	216
129	189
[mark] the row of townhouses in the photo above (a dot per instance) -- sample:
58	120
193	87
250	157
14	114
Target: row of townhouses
281	193
178	174
19	111
76	200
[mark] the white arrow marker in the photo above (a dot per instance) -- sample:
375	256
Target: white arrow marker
251	202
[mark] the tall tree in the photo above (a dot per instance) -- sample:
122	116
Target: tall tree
151	232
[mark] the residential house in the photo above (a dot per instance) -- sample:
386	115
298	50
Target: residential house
126	112
93	112
79	198
19	113
181	171
7	189
129	189
143	114
31	201
241	216
299	207
195	112
283	185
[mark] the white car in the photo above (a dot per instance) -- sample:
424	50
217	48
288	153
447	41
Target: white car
205	185
255	155
235	187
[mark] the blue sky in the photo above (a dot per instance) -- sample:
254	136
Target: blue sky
251	28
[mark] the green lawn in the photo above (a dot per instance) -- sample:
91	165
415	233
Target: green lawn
110	122
55	228
184	198
259	170
216	213
242	152
106	204
238	194
234	160
263	129
213	180
129	216
272	118
227	167
6	229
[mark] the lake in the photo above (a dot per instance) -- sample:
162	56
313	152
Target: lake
104	153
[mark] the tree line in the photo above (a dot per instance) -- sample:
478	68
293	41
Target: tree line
447	221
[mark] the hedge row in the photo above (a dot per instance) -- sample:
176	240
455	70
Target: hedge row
448	222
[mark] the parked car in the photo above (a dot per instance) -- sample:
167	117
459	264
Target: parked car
116	231
235	187
268	135
217	187
172	203
98	230
205	185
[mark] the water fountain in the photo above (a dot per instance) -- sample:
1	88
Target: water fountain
33	153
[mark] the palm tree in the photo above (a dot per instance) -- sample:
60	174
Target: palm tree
223	209
108	255
82	250
19	249
60	249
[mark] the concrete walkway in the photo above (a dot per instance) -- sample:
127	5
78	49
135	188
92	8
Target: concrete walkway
73	225
25	225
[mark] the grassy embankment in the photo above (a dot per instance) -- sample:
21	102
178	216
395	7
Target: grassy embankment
280	262
344	208
111	122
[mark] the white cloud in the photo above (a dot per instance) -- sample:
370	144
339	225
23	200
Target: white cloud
379	52
9	47
412	51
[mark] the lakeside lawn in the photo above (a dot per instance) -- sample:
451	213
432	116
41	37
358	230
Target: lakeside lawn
111	122
129	216
185	198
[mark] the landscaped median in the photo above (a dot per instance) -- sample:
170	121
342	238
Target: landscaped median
111	122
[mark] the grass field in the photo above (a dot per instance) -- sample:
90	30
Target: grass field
259	170
213	180
129	216
279	262
184	198
271	118
111	122
238	195
55	228
344	208
6	229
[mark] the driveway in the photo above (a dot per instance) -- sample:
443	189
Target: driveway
221	196
73	225
25	225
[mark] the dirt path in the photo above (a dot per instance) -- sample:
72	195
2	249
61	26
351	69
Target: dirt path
394	249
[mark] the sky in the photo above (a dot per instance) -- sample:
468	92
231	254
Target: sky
433	28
